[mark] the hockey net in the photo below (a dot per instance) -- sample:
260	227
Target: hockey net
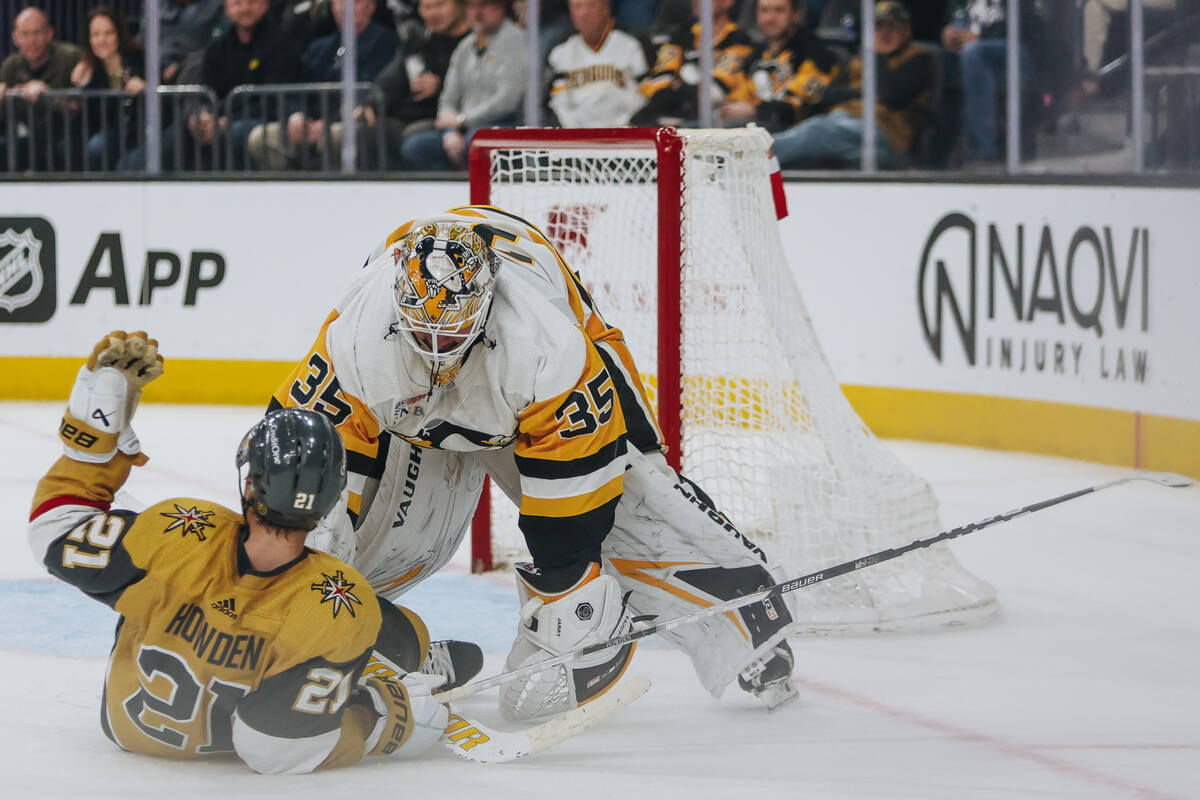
761	423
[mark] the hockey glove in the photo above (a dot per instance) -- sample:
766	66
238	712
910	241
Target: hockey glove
105	395
410	720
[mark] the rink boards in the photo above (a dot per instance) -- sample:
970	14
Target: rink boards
1054	319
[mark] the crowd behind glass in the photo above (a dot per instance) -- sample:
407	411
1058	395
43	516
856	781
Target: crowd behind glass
243	85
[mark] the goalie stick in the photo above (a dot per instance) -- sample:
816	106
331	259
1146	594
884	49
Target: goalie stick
471	740
1161	478
474	741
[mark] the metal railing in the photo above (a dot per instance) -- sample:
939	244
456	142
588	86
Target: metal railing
71	130
54	134
178	150
269	107
104	130
1174	106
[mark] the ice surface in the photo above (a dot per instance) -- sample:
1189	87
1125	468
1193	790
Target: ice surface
1086	687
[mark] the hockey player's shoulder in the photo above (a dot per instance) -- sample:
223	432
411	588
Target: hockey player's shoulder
188	519
334	595
540	341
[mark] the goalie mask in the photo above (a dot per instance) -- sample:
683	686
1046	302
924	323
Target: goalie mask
445	275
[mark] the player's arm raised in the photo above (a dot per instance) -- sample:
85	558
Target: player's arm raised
71	529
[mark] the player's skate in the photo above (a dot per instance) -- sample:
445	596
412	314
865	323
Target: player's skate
457	662
770	679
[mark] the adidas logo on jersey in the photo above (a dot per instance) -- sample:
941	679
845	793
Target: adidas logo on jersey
226	607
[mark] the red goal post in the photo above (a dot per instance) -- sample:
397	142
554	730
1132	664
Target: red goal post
668	147
746	400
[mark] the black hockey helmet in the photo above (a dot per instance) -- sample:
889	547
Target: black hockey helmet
296	465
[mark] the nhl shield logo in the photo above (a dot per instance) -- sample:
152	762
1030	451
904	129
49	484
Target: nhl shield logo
27	279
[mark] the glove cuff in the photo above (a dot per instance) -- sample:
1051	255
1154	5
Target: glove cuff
82	442
395	724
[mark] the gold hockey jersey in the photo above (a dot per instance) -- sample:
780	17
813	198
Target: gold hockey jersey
549	377
210	656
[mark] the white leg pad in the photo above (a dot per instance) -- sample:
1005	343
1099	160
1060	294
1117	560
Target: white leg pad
676	554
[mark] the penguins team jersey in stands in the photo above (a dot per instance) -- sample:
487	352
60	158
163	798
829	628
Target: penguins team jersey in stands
677	58
787	83
547	376
597	87
210	656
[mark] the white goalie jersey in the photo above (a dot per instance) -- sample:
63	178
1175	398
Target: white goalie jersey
548	376
468	343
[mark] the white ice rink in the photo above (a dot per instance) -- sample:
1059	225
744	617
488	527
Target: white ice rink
1088	686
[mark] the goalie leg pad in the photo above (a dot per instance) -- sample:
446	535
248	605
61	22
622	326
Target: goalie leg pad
590	610
415	517
674	551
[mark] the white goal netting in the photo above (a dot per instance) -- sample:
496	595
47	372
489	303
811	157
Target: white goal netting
766	430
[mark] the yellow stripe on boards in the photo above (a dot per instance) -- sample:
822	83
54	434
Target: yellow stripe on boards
1126	438
184	380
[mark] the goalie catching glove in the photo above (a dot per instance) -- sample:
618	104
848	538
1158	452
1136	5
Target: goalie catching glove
105	395
561	611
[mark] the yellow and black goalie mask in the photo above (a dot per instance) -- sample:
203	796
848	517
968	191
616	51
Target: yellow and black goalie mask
445	274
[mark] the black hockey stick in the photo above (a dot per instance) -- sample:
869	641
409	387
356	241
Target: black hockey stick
1161	478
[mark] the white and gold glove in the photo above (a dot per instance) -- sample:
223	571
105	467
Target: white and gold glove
410	719
105	395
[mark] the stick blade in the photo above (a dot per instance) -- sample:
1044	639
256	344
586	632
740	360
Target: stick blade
580	719
472	741
1170	479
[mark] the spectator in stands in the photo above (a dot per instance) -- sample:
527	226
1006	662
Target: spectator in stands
40	63
255	50
305	21
406	20
635	16
595	72
672	14
786	77
672	85
554	24
1097	21
412	83
976	37
485	85
112	59
905	80
375	45
185	29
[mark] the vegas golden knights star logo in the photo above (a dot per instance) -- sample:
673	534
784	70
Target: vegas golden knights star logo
336	589
191	520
